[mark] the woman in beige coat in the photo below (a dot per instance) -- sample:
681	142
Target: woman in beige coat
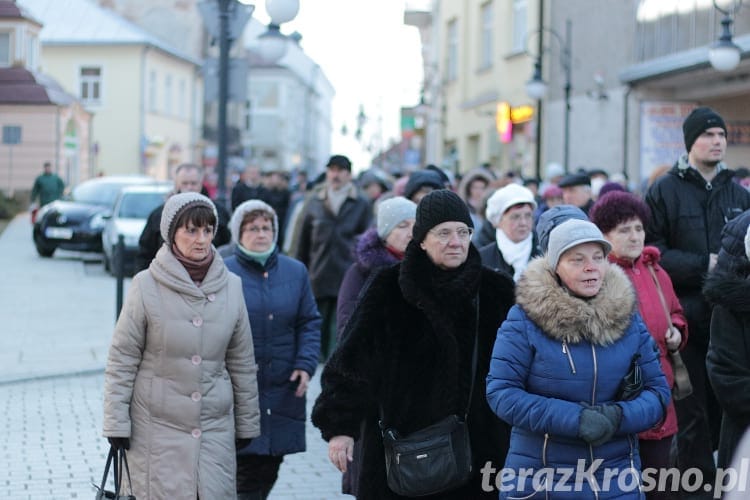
180	382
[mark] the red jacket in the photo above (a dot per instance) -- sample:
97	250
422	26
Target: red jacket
650	307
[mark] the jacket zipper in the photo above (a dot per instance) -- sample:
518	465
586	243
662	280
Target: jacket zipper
593	402
566	351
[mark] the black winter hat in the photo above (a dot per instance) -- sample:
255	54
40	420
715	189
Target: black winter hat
437	207
422	178
339	161
698	121
577	179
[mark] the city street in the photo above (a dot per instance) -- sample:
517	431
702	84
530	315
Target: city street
59	314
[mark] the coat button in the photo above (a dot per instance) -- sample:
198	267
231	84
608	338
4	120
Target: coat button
197	321
211	297
270	317
196	433
196	359
265	274
196	396
268	411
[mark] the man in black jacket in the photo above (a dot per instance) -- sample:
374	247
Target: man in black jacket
187	178
690	205
333	216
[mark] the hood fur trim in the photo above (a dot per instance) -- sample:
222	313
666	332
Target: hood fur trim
600	320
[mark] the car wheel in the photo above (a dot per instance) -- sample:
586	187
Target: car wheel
43	248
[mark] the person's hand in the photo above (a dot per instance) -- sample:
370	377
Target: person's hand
340	449
119	443
304	381
673	338
242	443
712	258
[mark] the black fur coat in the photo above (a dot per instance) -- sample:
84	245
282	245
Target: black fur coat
408	348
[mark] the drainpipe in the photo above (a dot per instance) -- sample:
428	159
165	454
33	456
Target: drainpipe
625	134
142	118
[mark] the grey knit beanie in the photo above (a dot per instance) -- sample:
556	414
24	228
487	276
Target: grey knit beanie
571	233
392	212
175	205
235	225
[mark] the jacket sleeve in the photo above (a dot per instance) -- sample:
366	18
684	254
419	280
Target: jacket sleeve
240	362
307	328
302	235
123	360
512	357
649	408
687	268
349	291
347	382
727	363
150	240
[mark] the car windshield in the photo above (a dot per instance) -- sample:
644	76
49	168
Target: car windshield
139	205
96	193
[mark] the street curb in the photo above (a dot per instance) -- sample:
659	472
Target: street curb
40	378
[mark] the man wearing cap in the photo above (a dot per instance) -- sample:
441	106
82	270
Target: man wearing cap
690	205
511	210
576	191
334	214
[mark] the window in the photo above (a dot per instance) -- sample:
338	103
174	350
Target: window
91	85
182	99
152	91
4	49
485	43
168	95
32	53
519	25
452	51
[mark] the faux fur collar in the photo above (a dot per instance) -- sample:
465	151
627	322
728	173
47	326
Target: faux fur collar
370	251
601	319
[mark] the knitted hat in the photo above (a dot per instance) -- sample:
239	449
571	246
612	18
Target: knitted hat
610	186
437	207
421	178
175	205
571	233
617	207
235	224
552	218
392	212
504	198
339	161
698	121
552	191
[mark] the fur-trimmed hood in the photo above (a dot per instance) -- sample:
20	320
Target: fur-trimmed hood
371	253
600	320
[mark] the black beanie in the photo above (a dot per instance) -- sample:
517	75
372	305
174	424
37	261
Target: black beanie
437	207
698	121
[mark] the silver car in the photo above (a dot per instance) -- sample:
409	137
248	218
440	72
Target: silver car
131	209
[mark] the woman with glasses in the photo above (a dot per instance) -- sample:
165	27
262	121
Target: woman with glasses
511	210
408	351
286	335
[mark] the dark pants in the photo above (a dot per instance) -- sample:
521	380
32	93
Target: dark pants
698	416
655	454
327	309
256	475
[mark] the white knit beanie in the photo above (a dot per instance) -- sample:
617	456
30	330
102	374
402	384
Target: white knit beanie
392	212
504	198
235	225
176	204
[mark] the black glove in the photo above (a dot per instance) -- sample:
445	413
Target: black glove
594	427
242	443
119	443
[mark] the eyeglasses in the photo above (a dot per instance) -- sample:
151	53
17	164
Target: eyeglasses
256	229
445	235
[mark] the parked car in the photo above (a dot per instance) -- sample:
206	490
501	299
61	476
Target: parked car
128	218
76	221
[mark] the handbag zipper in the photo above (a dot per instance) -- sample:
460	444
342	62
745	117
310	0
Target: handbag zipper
566	351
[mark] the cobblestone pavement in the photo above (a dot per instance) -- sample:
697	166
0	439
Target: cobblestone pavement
58	318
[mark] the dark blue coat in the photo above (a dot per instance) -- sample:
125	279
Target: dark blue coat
286	334
573	351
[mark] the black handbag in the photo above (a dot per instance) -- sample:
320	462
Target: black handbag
436	458
631	384
118	460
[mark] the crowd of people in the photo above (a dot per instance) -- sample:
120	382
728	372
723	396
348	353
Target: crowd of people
501	330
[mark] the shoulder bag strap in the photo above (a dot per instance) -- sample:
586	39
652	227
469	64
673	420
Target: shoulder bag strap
123	460
110	458
661	294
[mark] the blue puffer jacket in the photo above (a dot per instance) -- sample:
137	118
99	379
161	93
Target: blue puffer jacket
555	351
286	335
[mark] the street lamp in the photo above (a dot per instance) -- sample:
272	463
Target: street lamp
724	54
272	47
536	87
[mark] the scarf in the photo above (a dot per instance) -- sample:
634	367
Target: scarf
337	197
196	269
259	257
515	254
396	253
